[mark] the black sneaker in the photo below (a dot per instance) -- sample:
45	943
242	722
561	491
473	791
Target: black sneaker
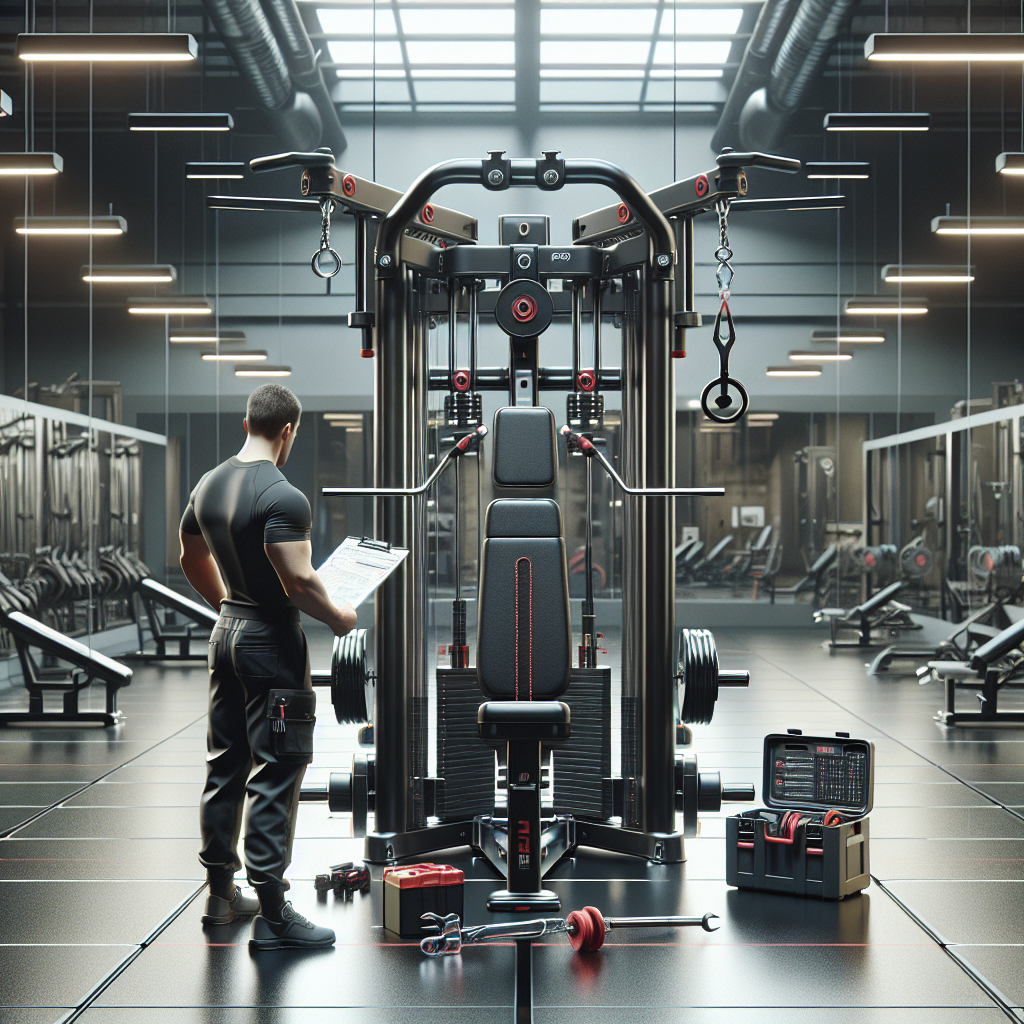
222	911
293	931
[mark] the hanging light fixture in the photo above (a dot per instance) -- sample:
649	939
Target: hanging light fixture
214	170
31	163
106	46
945	46
877	122
171	305
855	170
1010	163
885	305
848	337
978	226
251	355
133	273
70	225
198	336
790	204
793	371
820	357
263	371
179	122
261	203
928	273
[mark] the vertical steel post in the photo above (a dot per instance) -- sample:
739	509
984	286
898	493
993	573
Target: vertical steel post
399	447
652	656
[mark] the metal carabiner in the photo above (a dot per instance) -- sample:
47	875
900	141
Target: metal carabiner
326	207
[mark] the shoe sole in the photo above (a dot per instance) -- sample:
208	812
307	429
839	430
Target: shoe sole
265	944
206	919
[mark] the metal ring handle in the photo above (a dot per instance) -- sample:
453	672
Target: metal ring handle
716	415
315	263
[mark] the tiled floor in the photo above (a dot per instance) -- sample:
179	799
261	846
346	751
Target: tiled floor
101	891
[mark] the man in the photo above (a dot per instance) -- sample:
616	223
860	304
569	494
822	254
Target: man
245	548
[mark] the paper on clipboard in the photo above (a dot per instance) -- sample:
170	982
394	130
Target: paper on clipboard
357	568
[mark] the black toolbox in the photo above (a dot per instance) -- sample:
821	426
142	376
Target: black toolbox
787	845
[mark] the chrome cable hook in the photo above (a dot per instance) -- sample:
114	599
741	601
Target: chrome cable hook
316	263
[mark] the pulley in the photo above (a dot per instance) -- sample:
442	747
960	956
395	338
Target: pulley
523	308
351	681
698	676
916	560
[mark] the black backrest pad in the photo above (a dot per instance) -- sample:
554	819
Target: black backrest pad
524	640
524	447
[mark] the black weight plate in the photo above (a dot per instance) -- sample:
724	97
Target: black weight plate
348	678
523	309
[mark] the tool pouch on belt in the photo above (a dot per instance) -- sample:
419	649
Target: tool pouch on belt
292	715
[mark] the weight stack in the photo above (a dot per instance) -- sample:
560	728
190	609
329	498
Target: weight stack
585	759
466	763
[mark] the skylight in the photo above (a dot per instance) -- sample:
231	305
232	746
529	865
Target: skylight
591	55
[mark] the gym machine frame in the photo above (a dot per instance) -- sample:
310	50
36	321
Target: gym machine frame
413	273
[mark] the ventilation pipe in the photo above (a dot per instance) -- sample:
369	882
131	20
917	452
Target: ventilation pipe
294	113
302	62
788	49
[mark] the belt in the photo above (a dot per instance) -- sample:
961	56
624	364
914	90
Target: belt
275	617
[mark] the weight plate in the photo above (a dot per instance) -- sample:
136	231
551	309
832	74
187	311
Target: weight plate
349	678
697	676
523	309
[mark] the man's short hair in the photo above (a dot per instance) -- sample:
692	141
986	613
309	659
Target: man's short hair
270	408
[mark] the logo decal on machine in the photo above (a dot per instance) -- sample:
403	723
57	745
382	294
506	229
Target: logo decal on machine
559	256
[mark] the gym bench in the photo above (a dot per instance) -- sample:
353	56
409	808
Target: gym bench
992	667
153	594
89	667
877	611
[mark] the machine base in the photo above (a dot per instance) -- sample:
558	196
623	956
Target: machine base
501	901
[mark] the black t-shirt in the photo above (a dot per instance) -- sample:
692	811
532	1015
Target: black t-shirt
238	507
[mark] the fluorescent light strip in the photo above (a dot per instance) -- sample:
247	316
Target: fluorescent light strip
23	164
877	122
1010	163
851	338
207	170
945	46
129	274
878	306
820	357
70	226
249	356
854	170
793	371
978	226
97	47
927	273
171	305
199	337
766	416
180	122
263	371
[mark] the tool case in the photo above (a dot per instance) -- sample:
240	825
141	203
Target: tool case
786	846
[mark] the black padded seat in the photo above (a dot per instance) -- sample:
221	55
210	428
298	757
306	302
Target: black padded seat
525	453
876	601
524	720
524	641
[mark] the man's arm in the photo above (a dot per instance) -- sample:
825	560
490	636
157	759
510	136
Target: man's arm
201	570
292	560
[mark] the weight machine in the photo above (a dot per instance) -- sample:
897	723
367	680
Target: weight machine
414	262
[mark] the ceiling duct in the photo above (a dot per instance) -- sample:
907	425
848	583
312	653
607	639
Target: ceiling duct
788	48
294	111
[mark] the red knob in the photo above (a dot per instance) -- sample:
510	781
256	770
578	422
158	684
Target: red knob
461	380
524	308
348	185
427	214
586	380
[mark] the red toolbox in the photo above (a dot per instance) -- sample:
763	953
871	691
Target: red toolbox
416	889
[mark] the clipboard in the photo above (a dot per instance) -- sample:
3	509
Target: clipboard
357	567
